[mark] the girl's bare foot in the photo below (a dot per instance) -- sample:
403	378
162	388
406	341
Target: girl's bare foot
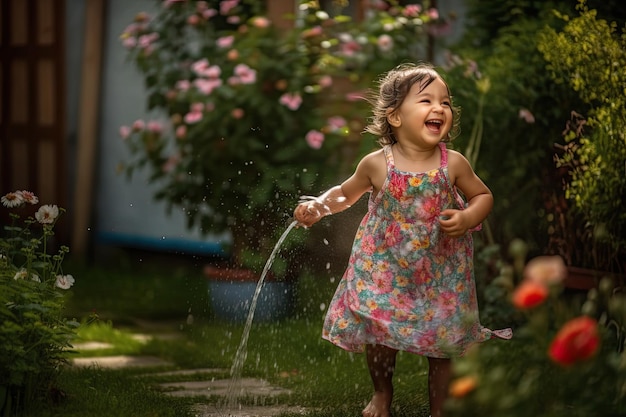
379	406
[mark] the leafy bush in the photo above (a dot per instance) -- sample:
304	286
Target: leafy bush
34	334
589	56
566	358
245	118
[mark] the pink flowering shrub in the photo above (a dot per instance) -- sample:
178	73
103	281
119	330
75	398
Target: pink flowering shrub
34	335
249	117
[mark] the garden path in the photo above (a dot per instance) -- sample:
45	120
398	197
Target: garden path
201	382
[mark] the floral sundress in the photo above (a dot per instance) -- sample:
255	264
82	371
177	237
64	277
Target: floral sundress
409	286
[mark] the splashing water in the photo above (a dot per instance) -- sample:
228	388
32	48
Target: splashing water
234	387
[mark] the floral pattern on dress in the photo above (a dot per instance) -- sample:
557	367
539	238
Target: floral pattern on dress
408	285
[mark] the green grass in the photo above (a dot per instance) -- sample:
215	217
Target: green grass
110	300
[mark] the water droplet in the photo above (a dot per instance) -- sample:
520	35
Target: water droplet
325	241
327	265
332	280
322	307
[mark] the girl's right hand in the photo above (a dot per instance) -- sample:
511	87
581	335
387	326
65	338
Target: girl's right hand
310	212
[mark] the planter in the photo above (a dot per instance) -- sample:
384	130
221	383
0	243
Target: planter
231	292
586	279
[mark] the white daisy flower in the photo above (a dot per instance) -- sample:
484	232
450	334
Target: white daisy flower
21	274
11	200
64	281
47	214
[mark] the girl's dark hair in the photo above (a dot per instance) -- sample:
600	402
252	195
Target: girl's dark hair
393	87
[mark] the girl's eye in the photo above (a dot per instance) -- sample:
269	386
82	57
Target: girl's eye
446	103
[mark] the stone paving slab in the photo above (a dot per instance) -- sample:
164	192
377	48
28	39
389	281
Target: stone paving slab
250	388
120	361
205	410
246	387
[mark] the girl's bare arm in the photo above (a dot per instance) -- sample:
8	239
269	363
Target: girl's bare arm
479	197
365	178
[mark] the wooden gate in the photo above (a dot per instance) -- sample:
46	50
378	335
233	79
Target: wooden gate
32	106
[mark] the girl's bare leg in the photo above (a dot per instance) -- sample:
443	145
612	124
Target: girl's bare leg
439	371
381	362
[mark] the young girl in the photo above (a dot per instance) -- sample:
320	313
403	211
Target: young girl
409	284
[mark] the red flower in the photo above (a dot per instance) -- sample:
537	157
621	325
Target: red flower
529	294
577	340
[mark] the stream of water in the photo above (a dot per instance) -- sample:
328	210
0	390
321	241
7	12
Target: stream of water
234	387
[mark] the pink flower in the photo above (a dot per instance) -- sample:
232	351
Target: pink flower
412	10
64	281
129	42
291	100
169	3
213	71
227	5
393	234
183	85
13	199
193	20
261	22
28	196
138	125
181	132
385	43
233	20
209	13
526	115
246	74
433	13
171	163
368	245
314	31
47	214
325	81
197	107
145	41
199	67
336	122
314	138
125	131
155	126
545	270
237	113
225	41
350	48
207	86
193	117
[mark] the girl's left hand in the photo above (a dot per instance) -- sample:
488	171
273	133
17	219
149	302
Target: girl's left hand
453	222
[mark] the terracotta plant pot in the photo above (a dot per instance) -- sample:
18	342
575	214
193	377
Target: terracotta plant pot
231	292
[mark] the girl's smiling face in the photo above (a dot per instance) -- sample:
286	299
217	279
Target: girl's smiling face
425	116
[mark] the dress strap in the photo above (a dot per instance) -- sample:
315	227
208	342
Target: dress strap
389	156
444	154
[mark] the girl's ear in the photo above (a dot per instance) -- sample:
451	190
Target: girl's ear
393	118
